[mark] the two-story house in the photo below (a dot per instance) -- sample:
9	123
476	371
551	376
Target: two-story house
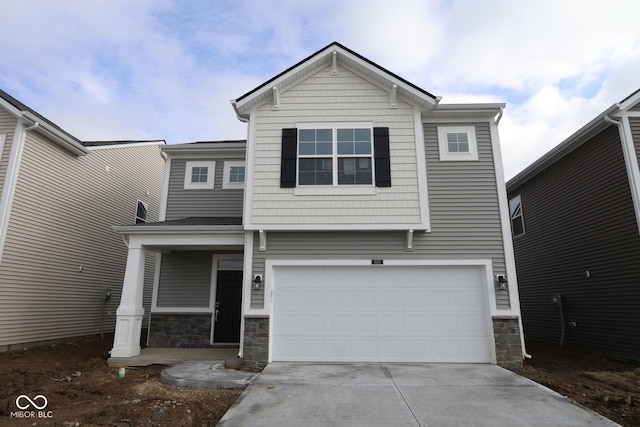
361	220
576	227
61	264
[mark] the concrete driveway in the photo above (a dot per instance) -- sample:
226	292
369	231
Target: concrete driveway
296	394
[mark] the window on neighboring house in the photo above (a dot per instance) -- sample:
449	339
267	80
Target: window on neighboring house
457	143
515	212
234	173
141	212
349	155
199	175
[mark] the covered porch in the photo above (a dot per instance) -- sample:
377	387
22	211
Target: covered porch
182	244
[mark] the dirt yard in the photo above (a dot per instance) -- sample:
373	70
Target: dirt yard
81	390
607	386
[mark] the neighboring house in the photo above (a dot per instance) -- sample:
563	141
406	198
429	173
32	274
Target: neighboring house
362	220
59	199
575	215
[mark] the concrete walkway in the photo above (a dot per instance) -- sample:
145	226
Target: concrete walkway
290	394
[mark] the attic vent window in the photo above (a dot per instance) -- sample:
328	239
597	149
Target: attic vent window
199	175
457	143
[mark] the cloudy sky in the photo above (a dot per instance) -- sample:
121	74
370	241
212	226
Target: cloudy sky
166	69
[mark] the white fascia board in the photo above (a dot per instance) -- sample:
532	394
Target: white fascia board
218	239
128	145
10	108
57	136
338	227
201	148
630	102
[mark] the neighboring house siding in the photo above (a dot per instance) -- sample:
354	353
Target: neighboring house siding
331	99
635	131
183	203
7	128
61	251
185	279
579	217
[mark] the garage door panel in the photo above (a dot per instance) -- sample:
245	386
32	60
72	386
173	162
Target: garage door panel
415	314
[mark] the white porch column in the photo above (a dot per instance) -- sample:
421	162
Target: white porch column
126	342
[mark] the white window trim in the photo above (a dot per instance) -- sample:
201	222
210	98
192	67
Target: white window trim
335	188
446	155
144	220
226	175
188	185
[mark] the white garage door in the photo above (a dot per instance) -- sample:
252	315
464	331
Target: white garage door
380	314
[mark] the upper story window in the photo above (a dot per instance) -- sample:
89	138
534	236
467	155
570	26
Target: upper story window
199	175
233	175
335	156
141	212
347	158
515	212
457	143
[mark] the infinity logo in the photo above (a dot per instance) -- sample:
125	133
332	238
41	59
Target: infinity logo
33	403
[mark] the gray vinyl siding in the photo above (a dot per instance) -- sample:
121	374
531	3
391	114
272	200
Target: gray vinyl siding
465	222
183	203
579	217
61	251
185	279
7	127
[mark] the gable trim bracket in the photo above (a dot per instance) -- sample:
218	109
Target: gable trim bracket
334	63
408	241
393	96
262	246
276	98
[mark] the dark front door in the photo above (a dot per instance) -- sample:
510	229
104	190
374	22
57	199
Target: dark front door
228	302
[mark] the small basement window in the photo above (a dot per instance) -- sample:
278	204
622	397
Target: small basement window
199	175
233	175
515	212
141	212
457	143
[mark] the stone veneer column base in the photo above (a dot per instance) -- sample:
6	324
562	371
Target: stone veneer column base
180	330
255	349
506	332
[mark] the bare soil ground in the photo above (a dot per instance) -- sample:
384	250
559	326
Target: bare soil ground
82	390
606	385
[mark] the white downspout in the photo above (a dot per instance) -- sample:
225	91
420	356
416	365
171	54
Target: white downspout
631	164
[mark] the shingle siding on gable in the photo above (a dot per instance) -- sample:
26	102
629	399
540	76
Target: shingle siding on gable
7	127
342	98
61	219
579	217
183	203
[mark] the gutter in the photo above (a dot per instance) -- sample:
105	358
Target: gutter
65	141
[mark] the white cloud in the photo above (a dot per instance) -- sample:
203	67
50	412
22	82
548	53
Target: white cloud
116	69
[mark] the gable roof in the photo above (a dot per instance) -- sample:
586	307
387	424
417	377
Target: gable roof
343	57
574	141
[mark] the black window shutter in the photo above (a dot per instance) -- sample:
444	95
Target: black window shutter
289	158
382	159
